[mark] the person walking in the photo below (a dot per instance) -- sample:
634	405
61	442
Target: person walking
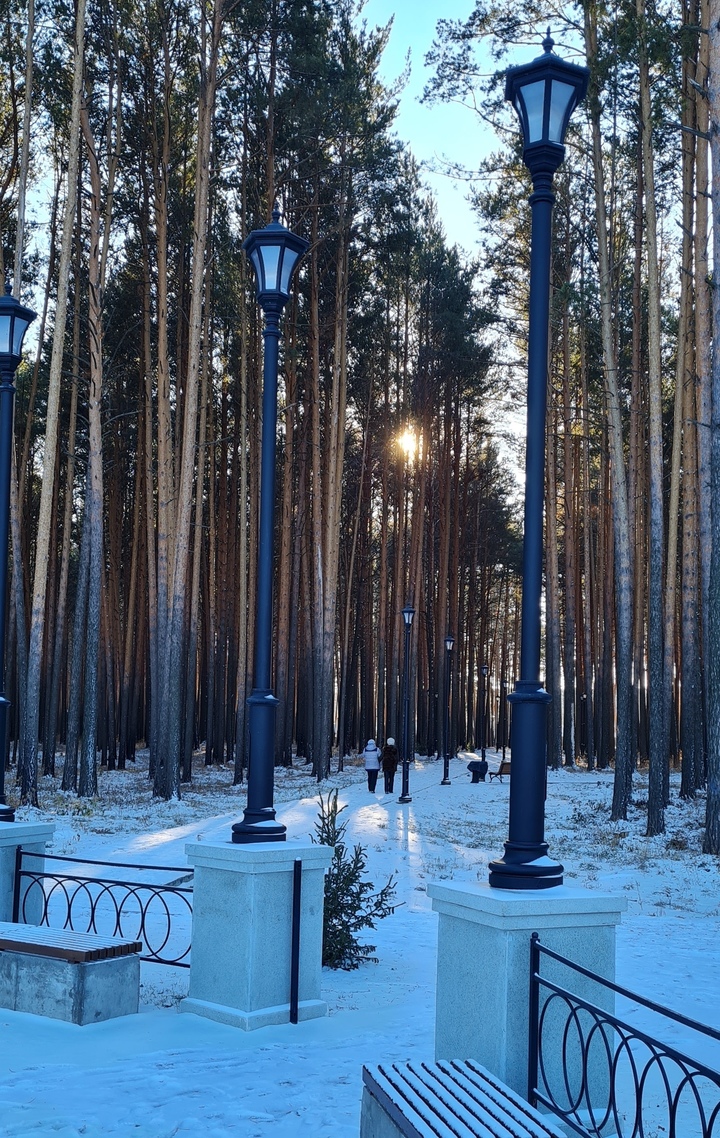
389	762
371	754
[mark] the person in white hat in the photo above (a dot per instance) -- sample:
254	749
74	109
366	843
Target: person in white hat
389	760
371	754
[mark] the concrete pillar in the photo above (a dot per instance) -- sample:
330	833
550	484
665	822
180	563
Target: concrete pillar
241	932
484	969
33	837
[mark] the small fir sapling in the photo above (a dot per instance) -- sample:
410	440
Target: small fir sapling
350	903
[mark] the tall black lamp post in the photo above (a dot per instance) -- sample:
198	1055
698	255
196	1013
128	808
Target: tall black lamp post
544	94
275	253
408	615
14	323
483	697
449	645
503	714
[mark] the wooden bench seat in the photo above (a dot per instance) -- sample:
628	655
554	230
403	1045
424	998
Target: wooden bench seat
504	768
63	944
447	1099
78	977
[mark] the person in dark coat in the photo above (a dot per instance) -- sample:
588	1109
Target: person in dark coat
389	760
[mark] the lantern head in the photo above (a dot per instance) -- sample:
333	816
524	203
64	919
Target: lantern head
545	93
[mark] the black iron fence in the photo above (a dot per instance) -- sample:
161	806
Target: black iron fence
606	1078
154	910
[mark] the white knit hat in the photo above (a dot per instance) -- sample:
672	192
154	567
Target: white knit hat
391	742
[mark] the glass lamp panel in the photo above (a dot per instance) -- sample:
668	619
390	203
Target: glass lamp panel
561	99
270	257
255	258
18	334
5	332
288	264
532	97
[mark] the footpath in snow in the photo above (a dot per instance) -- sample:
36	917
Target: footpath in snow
161	1074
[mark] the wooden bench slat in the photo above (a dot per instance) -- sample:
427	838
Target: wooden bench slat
453	1099
63	944
504	768
448	1110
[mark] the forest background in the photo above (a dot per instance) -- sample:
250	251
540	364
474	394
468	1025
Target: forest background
162	132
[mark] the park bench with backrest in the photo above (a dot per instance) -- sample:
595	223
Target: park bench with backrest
503	769
447	1099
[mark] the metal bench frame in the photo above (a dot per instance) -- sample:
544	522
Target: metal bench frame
504	768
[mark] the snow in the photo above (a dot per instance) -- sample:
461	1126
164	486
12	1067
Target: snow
161	1074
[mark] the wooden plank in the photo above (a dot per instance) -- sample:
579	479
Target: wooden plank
63	944
453	1100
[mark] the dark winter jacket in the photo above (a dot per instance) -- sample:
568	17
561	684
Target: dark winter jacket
389	759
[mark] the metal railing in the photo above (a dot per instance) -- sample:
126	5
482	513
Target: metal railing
605	1077
157	913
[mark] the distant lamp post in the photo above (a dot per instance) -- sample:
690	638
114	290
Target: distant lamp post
275	253
408	616
503	715
14	323
449	645
544	94
483	696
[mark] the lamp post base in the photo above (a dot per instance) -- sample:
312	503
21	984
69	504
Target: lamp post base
404	798
445	782
258	826
7	814
525	867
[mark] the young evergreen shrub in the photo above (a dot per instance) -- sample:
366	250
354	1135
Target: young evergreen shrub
350	902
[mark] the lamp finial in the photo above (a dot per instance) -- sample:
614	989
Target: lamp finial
8	287
548	42
276	214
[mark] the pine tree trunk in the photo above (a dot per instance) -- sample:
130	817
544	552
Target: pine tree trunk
711	840
623	576
656	709
28	789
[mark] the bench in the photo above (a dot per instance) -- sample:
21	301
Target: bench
504	768
77	977
447	1099
478	769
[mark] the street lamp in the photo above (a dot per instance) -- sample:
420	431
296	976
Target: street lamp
408	615
449	645
275	253
544	94
484	671
503	714
14	323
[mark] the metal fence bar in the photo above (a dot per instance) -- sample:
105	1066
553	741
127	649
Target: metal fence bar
88	901
295	942
689	1090
16	885
111	864
534	1018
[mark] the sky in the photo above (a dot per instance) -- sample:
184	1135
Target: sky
433	132
161	1074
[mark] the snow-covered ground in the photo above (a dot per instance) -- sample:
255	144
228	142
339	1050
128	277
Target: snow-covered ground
161	1074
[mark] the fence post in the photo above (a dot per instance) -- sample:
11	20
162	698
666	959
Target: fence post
295	942
533	1018
16	886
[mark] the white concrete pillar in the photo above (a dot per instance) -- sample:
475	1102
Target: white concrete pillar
483	976
33	837
241	933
